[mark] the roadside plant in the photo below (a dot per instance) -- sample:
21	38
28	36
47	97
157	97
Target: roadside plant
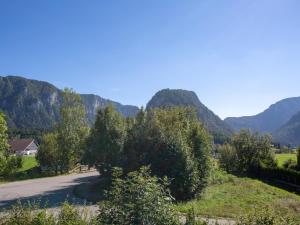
137	199
264	217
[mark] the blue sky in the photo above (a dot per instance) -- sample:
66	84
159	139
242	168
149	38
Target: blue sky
239	56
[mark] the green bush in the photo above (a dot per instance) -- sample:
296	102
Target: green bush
137	199
264	217
31	214
290	164
282	174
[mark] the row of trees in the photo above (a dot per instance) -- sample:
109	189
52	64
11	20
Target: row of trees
172	141
62	149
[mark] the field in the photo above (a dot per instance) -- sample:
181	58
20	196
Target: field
240	196
282	158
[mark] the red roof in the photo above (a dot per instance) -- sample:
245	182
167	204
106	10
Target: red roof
19	144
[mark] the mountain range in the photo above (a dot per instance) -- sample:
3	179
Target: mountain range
35	104
269	120
281	119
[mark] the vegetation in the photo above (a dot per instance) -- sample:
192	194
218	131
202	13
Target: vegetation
283	158
33	215
166	98
171	141
63	149
106	141
137	199
9	164
232	197
32	106
290	132
265	217
28	163
247	153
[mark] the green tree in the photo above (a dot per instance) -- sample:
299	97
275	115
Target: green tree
106	141
71	131
175	144
9	163
137	199
228	157
298	158
248	153
135	143
48	154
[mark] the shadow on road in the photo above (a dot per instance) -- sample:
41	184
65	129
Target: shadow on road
54	198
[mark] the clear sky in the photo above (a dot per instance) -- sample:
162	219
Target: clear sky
239	56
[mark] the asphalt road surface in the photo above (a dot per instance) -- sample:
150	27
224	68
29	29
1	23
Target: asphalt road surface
50	192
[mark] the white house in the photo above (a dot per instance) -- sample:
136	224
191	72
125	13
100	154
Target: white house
23	146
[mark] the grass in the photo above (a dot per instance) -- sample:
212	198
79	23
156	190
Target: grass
29	162
282	158
29	170
239	196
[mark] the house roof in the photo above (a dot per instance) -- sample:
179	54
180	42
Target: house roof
19	144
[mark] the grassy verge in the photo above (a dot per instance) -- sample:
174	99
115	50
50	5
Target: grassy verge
242	195
282	158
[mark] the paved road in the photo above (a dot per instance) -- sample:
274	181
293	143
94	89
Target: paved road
51	191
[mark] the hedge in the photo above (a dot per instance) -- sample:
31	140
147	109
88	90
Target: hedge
282	174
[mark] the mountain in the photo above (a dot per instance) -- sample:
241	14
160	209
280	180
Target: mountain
35	104
169	98
289	134
271	119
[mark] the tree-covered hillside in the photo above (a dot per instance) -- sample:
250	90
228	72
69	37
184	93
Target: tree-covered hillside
290	132
35	104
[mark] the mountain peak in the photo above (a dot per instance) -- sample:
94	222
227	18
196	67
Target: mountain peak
179	97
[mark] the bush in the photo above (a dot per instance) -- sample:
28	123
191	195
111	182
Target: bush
282	174
290	164
32	215
264	217
137	199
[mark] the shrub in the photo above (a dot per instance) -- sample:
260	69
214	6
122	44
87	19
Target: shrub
290	164
287	175
137	199
31	214
264	217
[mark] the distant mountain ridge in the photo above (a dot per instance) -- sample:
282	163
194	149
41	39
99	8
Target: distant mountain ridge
35	104
276	116
178	97
289	133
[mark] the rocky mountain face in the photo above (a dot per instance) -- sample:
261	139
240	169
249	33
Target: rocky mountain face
171	98
35	104
271	119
